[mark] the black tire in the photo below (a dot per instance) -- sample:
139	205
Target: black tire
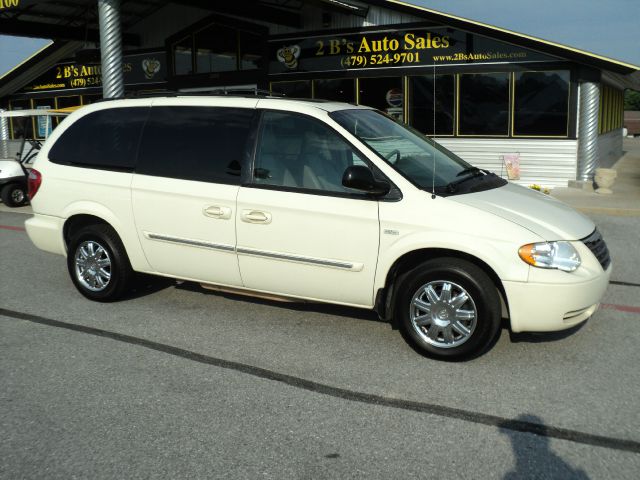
95	285
14	195
448	342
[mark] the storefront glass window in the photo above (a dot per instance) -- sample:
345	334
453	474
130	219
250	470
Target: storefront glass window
216	49
19	125
484	104
250	51
65	102
299	89
385	94
339	90
182	57
43	125
422	103
88	99
611	109
541	103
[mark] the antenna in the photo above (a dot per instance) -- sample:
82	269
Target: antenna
433	99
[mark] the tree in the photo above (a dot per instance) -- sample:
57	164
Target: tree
631	100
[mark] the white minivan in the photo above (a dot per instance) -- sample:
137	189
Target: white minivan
318	201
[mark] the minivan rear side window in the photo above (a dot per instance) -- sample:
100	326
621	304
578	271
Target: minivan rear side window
106	139
205	144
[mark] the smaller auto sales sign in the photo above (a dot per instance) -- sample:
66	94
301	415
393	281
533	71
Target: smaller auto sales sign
137	69
396	48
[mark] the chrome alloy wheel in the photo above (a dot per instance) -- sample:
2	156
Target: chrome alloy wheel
17	195
443	314
92	266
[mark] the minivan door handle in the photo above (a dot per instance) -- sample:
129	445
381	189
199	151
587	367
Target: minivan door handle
256	216
217	211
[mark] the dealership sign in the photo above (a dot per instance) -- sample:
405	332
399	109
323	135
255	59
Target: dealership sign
137	69
393	48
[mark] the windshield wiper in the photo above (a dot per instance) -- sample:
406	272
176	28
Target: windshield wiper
470	170
469	173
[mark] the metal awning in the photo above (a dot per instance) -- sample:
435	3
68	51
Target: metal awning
73	24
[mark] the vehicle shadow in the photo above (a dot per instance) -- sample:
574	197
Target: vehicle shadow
300	306
532	453
144	285
544	337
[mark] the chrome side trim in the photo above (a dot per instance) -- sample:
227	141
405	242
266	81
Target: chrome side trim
191	243
300	259
354	267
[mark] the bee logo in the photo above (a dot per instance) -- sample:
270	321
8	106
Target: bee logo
150	66
289	56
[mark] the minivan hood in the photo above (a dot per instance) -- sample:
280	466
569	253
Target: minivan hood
535	211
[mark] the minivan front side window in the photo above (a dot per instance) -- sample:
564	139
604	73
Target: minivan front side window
295	151
423	162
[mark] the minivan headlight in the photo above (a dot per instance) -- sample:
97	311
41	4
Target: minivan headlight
560	255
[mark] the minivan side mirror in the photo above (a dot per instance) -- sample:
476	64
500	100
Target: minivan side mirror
359	177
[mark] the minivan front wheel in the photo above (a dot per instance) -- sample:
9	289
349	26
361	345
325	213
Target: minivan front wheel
448	308
98	263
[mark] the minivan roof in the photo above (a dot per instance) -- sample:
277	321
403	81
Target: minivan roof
262	100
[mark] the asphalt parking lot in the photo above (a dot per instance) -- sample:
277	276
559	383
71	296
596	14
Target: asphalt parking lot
181	382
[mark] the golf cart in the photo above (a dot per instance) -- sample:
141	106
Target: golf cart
17	155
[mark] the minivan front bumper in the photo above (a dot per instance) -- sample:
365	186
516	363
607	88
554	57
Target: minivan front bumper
548	307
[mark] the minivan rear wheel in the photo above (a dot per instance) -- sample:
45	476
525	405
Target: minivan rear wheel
98	263
448	308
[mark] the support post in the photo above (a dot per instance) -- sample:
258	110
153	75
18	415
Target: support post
4	136
588	153
111	48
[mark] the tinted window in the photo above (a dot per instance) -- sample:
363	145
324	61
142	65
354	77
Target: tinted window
206	144
422	104
251	51
385	94
541	103
21	127
299	152
484	104
297	89
339	90
183	57
103	139
216	49
66	102
43	126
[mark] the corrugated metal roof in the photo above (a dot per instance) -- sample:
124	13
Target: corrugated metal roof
74	13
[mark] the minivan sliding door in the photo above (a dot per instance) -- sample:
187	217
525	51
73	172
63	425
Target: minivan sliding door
185	188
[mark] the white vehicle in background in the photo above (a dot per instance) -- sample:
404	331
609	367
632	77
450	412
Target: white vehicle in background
319	201
14	169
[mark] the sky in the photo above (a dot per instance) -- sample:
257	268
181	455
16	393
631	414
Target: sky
607	27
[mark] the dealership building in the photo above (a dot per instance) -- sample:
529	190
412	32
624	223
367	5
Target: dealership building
494	97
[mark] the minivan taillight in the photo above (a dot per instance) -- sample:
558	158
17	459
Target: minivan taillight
34	180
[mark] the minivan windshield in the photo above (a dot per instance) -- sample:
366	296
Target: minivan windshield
426	164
